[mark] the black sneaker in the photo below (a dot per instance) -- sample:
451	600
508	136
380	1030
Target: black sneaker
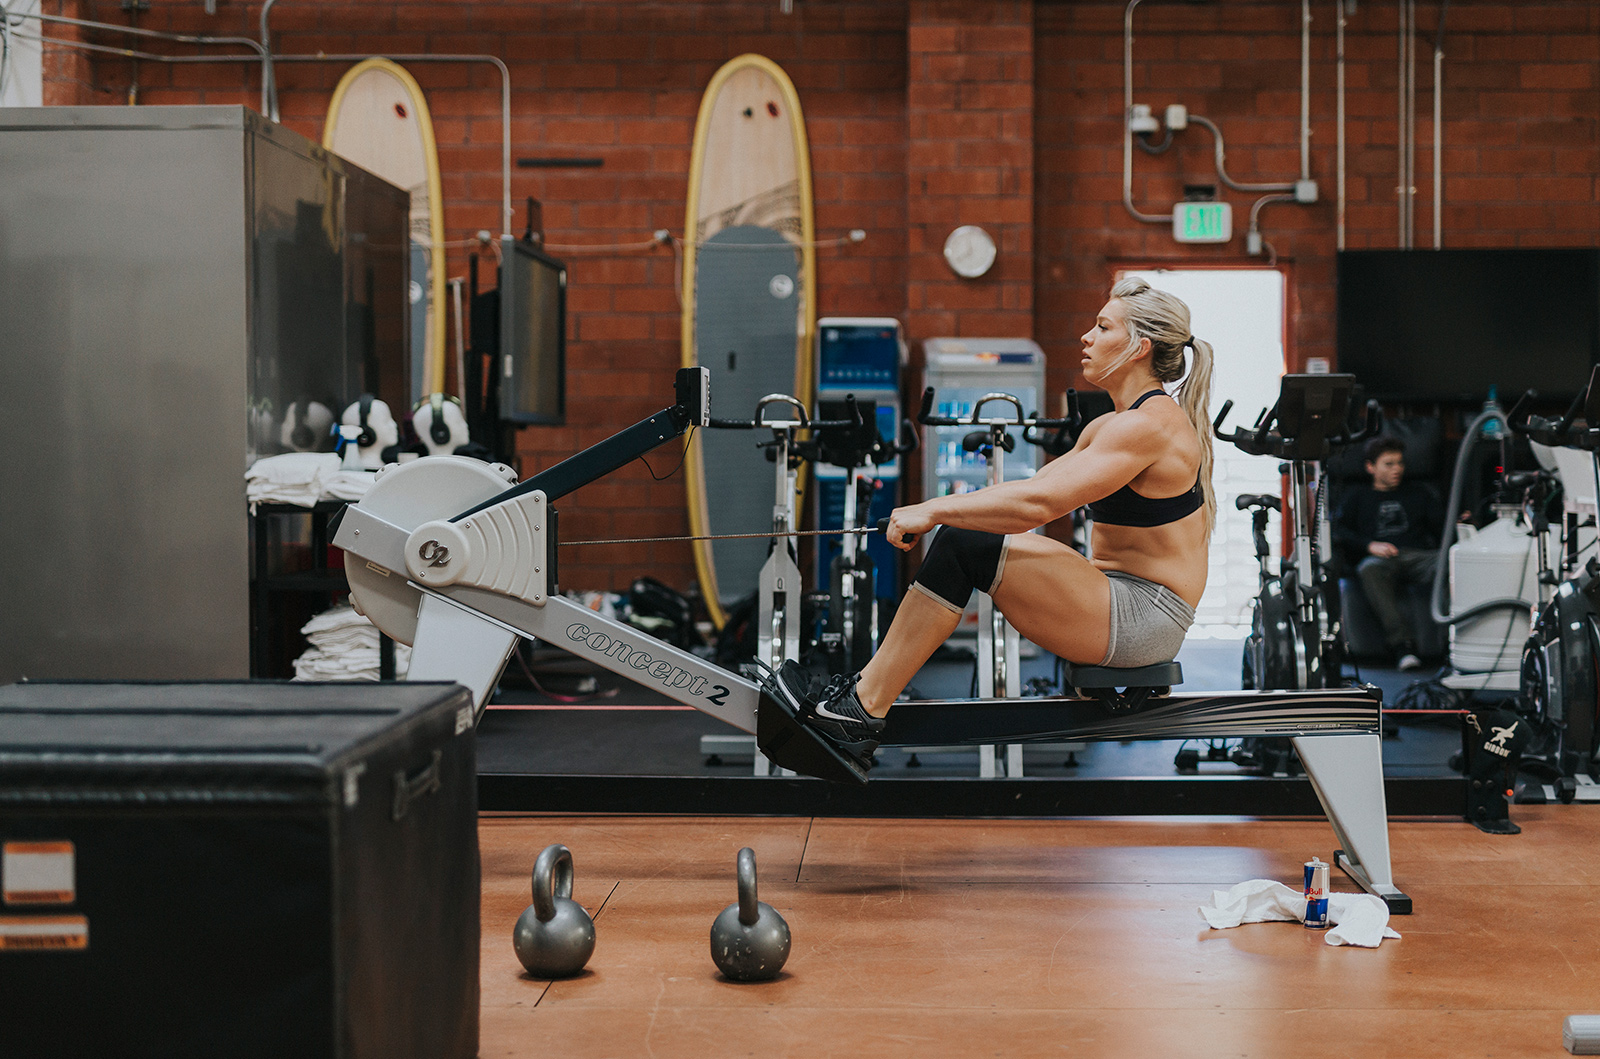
834	711
838	713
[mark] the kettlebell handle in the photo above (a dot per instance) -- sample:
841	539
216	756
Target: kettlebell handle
749	907
552	878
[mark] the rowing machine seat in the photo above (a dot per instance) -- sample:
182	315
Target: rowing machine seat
1138	682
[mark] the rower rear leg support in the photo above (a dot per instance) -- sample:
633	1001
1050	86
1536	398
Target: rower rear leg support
459	645
1346	771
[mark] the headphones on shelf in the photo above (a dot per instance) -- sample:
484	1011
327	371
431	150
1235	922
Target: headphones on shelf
368	437
438	429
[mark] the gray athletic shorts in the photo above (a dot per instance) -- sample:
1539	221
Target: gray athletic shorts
1148	622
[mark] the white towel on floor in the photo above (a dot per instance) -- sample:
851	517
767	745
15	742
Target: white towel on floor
1360	919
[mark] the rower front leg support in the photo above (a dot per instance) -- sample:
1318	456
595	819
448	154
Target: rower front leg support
1346	771
459	645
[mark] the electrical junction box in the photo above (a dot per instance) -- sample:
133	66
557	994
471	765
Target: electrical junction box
1202	222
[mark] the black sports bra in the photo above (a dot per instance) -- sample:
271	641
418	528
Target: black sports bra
1128	508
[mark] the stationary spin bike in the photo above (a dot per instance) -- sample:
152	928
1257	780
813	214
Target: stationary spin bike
443	555
780	627
1560	687
858	449
1295	640
781	630
999	647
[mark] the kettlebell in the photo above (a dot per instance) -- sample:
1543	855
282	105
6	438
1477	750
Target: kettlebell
554	936
749	940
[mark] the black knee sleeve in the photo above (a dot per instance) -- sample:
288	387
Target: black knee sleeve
959	561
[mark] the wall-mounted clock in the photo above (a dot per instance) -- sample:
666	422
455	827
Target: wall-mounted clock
970	251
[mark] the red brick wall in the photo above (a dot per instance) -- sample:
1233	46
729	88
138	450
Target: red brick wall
969	160
1521	106
65	72
924	114
621	81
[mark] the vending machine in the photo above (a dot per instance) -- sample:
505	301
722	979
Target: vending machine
862	356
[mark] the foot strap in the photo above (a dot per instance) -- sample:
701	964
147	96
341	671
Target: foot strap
792	745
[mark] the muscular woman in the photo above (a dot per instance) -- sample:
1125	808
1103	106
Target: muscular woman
1145	473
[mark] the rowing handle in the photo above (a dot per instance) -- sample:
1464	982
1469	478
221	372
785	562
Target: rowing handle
883	527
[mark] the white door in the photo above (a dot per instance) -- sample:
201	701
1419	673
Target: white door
1241	313
21	72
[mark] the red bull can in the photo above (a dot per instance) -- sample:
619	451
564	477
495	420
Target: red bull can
1316	894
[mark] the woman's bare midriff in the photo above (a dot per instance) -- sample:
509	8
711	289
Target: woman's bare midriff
1173	555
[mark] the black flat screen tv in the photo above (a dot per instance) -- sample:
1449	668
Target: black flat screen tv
1446	325
532	372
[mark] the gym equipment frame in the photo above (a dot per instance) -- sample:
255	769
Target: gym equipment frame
441	555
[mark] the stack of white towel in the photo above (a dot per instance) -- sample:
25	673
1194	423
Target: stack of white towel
303	478
344	646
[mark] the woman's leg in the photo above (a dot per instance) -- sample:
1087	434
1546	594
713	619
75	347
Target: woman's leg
1056	598
1048	592
919	627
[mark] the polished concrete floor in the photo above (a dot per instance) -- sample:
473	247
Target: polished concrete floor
1045	937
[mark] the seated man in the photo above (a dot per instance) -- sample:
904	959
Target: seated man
1394	526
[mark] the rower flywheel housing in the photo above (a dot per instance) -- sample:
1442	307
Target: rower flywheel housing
408	495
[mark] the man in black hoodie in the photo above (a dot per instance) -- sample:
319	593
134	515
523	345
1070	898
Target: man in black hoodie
1394	526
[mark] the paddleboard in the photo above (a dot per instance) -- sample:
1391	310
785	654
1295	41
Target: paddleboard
749	307
379	120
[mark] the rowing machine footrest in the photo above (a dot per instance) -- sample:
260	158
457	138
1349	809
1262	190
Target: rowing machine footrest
791	745
1138	682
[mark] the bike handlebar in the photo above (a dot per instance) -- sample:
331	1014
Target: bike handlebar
1262	440
926	417
1558	432
802	423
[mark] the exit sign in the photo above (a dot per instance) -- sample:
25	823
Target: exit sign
1202	222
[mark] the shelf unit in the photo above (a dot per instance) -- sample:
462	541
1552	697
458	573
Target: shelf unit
295	573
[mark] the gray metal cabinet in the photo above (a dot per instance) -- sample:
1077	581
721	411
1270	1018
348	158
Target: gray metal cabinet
171	280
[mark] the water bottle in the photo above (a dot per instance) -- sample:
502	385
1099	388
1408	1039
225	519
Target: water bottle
1493	428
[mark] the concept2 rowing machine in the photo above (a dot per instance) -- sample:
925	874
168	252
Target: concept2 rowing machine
443	555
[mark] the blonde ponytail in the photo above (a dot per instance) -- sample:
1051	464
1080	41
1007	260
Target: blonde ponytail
1194	397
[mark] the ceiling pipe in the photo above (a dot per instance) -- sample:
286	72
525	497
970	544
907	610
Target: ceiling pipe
1127	126
1438	128
505	87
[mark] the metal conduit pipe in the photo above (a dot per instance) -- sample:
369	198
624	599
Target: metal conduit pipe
1305	89
1411	123
134	53
505	88
185	38
505	105
1253	240
1400	125
269	79
1406	117
1127	129
1216	133
1438	128
1339	97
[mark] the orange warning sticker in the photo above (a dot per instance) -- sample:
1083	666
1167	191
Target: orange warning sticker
43	933
38	873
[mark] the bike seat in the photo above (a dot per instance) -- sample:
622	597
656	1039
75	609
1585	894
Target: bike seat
1160	675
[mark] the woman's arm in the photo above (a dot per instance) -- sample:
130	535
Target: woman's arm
1124	446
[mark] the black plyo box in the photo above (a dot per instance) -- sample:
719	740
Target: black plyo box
238	869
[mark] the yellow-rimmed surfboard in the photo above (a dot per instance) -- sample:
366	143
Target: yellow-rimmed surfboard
379	120
749	303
